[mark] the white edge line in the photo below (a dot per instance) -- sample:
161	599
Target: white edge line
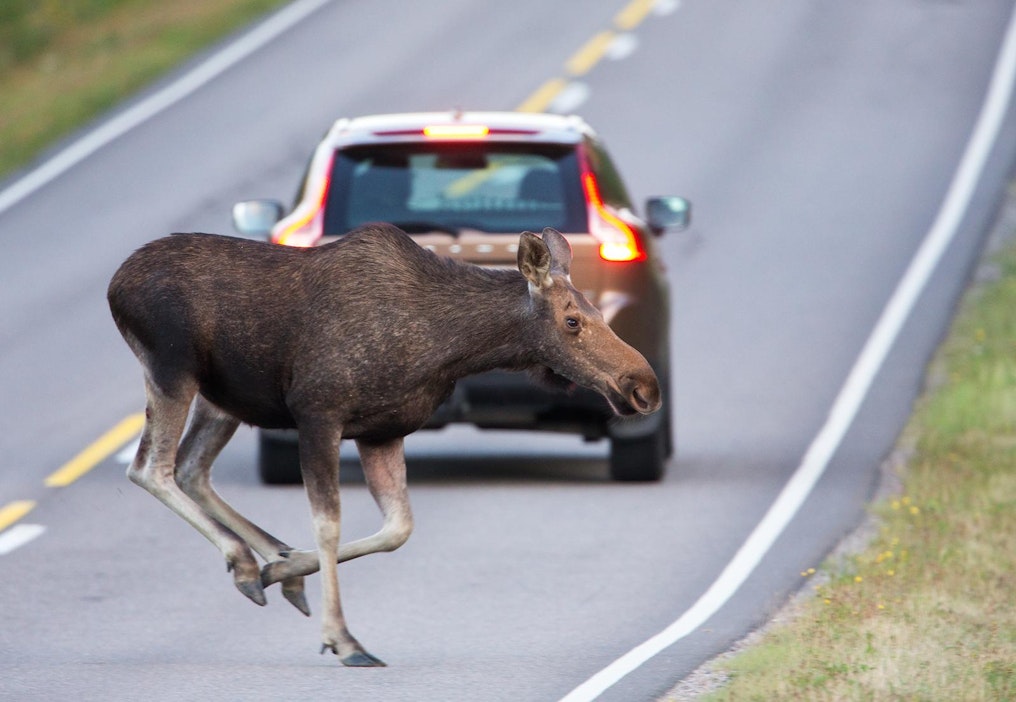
122	123
853	392
19	535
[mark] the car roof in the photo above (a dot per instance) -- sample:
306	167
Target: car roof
459	126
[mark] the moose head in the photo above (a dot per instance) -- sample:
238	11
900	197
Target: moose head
577	343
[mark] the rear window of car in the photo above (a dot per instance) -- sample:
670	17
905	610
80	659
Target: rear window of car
487	186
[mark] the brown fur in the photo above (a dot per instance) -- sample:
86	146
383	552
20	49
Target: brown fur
359	339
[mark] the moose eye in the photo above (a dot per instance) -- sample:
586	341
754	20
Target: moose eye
572	323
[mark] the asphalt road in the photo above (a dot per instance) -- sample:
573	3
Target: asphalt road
817	141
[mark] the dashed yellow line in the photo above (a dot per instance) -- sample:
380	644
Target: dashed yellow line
583	60
94	454
633	14
540	100
14	511
98	451
589	55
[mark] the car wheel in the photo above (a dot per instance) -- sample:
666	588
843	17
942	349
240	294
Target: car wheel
641	459
278	461
644	458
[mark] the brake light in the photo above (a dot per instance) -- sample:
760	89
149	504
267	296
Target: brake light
304	226
456	131
618	241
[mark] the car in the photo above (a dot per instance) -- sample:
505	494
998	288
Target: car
464	185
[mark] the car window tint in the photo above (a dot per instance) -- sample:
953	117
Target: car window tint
484	186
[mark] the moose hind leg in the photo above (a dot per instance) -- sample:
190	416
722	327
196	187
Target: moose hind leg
154	468
209	431
319	464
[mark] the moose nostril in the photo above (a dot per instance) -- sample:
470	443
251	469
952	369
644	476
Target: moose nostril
641	392
644	397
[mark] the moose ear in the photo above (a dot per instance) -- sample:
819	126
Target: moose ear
560	251
535	261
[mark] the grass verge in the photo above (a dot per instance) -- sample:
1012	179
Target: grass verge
928	610
63	62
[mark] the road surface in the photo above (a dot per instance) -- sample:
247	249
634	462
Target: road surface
817	141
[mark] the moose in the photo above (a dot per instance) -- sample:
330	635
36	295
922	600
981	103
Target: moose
361	339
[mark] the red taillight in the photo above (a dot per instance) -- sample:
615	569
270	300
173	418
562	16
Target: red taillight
456	131
304	226
618	241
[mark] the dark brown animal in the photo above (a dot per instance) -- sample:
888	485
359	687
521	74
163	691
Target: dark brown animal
359	339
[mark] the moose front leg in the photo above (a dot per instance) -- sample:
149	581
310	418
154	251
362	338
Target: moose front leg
319	464
384	468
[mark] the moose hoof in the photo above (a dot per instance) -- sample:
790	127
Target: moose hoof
292	564
292	590
247	579
252	590
356	659
362	659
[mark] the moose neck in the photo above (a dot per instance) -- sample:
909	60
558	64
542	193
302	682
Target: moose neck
488	323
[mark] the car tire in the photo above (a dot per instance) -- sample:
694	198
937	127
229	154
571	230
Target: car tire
278	461
642	459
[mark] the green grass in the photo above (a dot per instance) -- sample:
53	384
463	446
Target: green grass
928	610
64	62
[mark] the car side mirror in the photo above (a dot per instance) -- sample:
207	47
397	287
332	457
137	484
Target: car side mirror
665	214
255	218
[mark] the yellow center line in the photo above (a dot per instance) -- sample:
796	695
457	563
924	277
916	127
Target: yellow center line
98	451
14	511
582	61
632	14
590	53
540	100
